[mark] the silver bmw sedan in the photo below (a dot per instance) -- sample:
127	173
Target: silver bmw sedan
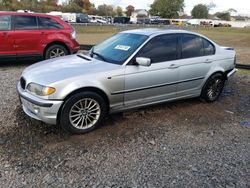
129	70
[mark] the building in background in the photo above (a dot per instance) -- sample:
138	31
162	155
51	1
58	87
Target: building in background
139	16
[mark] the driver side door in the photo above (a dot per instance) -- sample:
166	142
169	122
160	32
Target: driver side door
157	82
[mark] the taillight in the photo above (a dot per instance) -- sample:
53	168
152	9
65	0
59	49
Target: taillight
73	35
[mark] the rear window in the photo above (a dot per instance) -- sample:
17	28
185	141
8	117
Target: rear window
25	22
209	48
192	46
48	23
5	23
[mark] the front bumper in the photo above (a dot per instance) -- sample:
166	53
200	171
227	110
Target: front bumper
37	108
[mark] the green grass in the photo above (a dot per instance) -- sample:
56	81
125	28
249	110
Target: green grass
114	29
222	30
107	28
243	72
95	29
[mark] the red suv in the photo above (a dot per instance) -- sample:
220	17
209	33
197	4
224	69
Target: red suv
31	35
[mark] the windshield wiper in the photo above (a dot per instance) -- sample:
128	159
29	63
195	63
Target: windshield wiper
98	55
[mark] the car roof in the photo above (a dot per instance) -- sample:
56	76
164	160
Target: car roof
156	31
25	14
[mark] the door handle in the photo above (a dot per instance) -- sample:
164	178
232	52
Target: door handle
208	61
173	66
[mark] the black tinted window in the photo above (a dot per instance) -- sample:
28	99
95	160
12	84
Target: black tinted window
25	22
161	48
208	47
191	46
48	23
5	23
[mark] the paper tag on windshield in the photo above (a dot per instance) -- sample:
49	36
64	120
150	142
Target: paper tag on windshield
122	47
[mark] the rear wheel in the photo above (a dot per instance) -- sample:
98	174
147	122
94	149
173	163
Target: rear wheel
213	88
83	112
55	51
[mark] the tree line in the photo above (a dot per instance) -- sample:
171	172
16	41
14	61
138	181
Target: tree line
202	11
174	9
162	8
77	6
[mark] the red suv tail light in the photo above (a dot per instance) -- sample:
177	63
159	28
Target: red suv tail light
73	35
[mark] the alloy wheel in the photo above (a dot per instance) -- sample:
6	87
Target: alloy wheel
57	52
214	89
84	113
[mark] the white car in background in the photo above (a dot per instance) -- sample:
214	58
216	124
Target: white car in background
97	19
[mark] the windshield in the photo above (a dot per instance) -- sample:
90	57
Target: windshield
118	48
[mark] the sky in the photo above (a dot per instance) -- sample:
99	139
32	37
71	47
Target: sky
242	6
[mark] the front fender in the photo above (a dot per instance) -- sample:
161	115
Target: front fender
105	84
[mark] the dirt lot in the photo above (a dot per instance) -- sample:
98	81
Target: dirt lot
181	144
231	37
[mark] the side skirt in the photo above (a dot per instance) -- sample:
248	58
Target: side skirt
130	107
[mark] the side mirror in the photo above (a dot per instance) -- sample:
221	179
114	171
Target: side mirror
146	62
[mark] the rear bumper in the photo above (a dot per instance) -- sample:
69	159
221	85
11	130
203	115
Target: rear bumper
231	73
74	47
37	108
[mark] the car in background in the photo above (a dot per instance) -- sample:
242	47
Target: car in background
129	70
222	24
82	18
35	36
69	17
121	20
97	19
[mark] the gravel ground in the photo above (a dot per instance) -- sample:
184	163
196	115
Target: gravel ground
182	144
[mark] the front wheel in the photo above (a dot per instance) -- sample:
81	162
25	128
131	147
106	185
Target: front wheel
83	112
213	88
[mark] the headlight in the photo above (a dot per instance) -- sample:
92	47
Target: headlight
40	90
73	35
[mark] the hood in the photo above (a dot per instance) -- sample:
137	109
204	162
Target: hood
53	70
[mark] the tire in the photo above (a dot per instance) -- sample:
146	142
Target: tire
83	112
213	87
56	51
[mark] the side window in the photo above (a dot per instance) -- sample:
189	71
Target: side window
48	23
25	22
161	48
208	47
192	46
5	23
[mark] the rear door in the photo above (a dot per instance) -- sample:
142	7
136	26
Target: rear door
197	56
6	38
28	38
48	27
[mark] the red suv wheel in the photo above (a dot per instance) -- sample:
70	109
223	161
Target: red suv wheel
55	51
